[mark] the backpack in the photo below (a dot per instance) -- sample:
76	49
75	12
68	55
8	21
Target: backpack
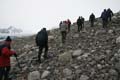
41	38
1	47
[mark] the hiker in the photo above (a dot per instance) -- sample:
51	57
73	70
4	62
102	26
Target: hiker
63	29
60	23
82	21
5	53
42	42
104	17
109	14
79	24
69	25
92	19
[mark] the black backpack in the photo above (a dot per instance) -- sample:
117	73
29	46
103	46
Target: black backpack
1	47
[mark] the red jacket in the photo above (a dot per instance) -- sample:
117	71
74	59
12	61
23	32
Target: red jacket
5	57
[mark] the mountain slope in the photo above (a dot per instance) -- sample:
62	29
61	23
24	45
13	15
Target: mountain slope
92	54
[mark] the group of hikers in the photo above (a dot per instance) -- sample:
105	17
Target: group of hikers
64	26
41	41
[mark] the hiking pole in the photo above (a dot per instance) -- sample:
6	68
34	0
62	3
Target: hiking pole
18	62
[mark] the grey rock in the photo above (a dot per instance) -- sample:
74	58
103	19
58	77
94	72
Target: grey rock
77	53
113	72
67	72
45	74
35	75
84	77
76	36
118	40
65	57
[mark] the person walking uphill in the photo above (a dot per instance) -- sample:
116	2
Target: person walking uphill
79	24
104	17
63	29
5	53
69	25
42	42
92	19
109	14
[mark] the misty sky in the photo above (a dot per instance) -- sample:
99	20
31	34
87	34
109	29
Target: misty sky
32	15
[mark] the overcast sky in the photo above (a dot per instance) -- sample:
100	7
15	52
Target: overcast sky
32	15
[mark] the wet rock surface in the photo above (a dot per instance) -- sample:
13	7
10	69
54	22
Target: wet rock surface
92	54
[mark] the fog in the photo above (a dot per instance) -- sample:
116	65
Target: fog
32	15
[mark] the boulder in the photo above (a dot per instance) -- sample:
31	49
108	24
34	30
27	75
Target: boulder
65	57
35	75
77	53
50	38
45	74
76	36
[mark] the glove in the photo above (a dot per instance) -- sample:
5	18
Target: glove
15	55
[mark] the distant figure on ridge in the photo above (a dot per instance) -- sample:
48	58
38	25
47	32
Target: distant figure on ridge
60	23
63	29
110	14
83	20
104	17
69	25
79	23
42	42
92	19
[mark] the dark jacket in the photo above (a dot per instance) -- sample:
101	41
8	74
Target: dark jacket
79	21
92	18
104	16
109	13
42	38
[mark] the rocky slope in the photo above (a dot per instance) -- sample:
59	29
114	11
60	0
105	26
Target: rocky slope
92	54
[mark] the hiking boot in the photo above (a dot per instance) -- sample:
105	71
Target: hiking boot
39	60
45	57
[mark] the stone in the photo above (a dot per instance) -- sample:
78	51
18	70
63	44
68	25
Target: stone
76	36
45	74
26	46
50	38
110	31
118	40
65	57
114	17
113	72
13	61
79	58
99	24
85	54
117	66
84	77
35	75
67	72
99	66
77	53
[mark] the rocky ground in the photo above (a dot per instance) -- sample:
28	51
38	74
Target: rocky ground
92	54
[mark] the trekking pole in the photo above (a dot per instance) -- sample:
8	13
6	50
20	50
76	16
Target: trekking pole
18	63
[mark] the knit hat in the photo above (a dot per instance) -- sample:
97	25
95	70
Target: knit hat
8	38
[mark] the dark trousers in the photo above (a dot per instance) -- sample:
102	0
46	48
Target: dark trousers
105	22
4	73
92	23
109	18
80	27
69	28
63	33
40	51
